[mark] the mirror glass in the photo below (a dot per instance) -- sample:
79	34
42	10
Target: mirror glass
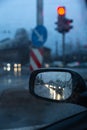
53	85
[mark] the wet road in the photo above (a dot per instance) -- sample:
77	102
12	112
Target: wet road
21	80
11	81
20	109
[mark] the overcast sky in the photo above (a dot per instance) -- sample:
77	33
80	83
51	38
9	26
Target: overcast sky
22	13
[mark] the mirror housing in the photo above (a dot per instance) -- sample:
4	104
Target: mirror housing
44	82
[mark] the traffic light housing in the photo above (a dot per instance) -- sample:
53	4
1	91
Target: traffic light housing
63	24
67	25
61	11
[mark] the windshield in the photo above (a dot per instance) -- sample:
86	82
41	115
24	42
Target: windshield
38	34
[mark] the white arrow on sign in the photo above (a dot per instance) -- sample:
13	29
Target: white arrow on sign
40	37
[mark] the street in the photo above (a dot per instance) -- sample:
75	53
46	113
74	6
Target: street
21	79
11	81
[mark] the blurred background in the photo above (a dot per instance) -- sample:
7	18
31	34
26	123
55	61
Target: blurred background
24	46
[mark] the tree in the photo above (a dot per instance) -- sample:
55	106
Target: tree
22	42
21	36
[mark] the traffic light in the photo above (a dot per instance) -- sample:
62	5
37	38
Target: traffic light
61	17
67	25
63	24
61	11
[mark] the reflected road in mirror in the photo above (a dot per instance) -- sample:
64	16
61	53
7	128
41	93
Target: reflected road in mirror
54	85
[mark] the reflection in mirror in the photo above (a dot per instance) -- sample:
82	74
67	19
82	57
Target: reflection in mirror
53	85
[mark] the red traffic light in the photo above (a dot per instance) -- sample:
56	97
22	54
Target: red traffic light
61	10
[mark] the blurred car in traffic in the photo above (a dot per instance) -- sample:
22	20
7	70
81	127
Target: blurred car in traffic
56	64
73	64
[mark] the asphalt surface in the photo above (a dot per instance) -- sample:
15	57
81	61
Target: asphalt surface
19	109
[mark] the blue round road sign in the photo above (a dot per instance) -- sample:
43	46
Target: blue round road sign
39	36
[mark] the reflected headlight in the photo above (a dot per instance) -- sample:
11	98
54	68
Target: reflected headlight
19	69
4	68
15	69
8	68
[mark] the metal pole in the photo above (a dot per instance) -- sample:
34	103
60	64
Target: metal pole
39	12
63	46
57	49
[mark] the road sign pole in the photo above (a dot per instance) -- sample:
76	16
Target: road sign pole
39	12
63	47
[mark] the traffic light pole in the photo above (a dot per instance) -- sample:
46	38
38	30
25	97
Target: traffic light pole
63	47
63	26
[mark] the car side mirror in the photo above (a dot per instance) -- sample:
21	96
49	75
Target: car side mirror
56	84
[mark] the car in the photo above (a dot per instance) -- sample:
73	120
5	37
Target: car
73	64
56	64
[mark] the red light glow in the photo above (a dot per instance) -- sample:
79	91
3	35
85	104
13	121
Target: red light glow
61	11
